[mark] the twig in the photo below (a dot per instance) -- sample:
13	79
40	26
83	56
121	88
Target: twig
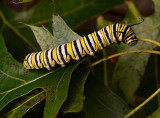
16	31
122	53
142	104
149	40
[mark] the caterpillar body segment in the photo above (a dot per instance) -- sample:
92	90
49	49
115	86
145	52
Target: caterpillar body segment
77	49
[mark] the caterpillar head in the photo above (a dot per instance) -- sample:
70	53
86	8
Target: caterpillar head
129	35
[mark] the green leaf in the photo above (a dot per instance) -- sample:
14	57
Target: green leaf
62	33
23	104
20	110
60	87
44	38
74	102
19	82
101	102
69	12
156	114
78	12
130	68
7	64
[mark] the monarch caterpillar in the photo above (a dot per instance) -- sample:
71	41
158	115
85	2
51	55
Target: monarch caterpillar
77	49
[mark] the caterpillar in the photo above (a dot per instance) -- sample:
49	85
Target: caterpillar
77	49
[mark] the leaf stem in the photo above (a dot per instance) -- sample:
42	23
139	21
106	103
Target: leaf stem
16	31
122	53
149	40
142	104
128	52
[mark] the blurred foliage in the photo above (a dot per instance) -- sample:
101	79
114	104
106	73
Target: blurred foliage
110	89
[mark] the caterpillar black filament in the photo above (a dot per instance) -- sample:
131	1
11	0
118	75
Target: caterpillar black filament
79	48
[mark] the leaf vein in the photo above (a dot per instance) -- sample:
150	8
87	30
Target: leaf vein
16	78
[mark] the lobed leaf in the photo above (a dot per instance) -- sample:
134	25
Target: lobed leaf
28	100
62	33
44	38
20	82
56	89
20	110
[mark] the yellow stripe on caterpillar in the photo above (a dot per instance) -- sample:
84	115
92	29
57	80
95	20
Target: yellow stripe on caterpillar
55	56
84	45
70	50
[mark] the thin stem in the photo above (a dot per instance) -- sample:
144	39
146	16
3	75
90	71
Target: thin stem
122	53
16	31
149	40
156	76
105	68
37	23
128	52
142	104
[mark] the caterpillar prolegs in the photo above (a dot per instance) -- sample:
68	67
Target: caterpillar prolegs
77	49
